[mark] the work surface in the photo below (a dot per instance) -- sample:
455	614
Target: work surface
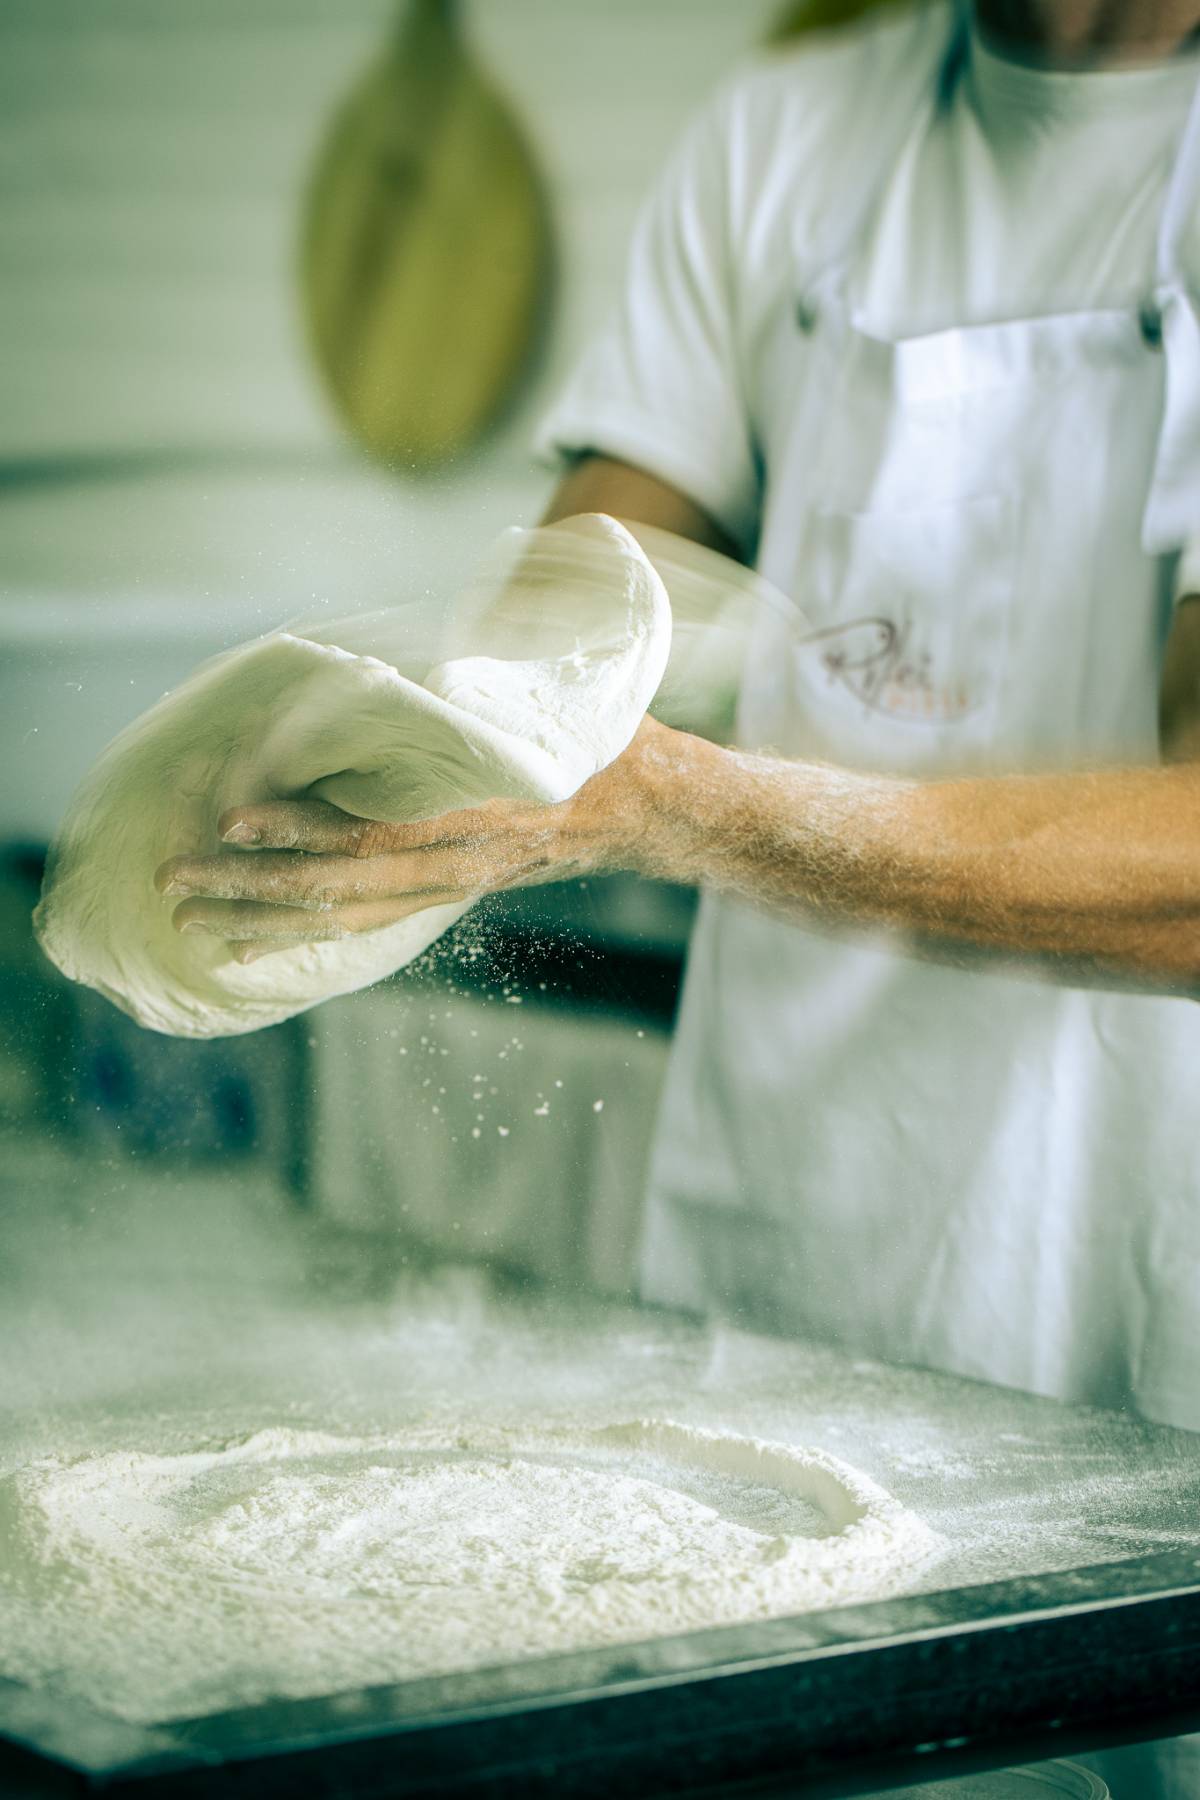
171	1313
180	1319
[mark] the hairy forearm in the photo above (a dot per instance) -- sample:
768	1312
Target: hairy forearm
1097	875
1096	870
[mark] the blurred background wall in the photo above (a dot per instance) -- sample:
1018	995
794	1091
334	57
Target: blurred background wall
173	479
169	464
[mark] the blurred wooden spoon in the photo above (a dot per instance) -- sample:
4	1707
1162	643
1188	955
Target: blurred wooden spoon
426	258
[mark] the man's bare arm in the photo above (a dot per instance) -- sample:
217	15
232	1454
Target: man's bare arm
1099	870
1179	700
600	484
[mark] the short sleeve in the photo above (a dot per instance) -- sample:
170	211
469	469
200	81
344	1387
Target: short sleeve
1188	578
661	387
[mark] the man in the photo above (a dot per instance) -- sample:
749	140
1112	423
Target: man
912	322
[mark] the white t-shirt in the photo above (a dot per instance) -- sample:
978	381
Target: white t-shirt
1032	192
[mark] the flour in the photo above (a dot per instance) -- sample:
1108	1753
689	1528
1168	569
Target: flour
300	1563
567	644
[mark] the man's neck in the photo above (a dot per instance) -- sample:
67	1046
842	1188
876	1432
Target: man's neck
1089	33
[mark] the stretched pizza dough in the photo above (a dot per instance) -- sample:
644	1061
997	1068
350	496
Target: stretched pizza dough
545	686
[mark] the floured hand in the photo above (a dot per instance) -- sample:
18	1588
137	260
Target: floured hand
317	873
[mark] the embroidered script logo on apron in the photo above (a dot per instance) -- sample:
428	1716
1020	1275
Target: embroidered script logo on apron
880	663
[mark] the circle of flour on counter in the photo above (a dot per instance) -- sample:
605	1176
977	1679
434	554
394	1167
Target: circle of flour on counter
299	1564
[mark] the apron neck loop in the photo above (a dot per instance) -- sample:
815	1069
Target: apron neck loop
957	54
1183	193
1171	518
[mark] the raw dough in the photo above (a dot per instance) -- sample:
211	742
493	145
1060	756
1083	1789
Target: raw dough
567	651
303	1563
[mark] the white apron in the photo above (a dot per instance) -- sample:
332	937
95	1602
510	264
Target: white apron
965	1169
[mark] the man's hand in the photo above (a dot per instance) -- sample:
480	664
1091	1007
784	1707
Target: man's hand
315	873
318	873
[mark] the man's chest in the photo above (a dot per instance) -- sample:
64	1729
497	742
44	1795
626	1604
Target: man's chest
960	233
970	465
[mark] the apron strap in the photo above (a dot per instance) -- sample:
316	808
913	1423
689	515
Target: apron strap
1183	195
1172	513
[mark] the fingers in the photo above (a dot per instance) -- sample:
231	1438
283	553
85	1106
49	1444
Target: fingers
238	920
251	953
284	927
315	826
303	892
311	825
317	884
277	877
